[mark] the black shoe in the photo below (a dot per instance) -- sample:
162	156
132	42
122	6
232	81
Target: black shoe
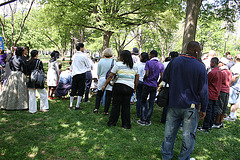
70	107
126	127
78	108
201	129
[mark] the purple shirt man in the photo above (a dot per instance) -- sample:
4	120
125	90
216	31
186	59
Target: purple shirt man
154	68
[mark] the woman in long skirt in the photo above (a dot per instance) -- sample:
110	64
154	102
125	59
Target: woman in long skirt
15	94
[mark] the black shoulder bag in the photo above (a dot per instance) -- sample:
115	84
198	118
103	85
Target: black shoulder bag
163	95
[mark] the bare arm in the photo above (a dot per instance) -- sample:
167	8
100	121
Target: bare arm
234	79
160	80
146	74
136	82
108	80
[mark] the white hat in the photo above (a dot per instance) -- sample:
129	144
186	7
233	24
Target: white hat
224	60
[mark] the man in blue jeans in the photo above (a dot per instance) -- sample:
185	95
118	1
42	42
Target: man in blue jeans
188	89
153	69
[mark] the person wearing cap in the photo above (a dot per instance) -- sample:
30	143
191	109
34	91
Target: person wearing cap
234	97
224	93
135	55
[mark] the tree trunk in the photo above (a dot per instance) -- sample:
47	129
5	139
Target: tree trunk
192	11
106	39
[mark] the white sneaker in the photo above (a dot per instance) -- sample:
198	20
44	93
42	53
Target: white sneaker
142	123
192	159
230	119
216	126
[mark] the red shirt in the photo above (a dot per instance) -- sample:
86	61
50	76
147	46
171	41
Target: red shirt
226	80
214	83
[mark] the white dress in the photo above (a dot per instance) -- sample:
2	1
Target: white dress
52	74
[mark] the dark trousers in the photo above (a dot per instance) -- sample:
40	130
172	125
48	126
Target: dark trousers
121	100
164	114
152	92
139	99
78	84
222	103
108	98
210	114
88	84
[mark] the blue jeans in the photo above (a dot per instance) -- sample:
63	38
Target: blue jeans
210	114
139	98
147	112
88	84
189	118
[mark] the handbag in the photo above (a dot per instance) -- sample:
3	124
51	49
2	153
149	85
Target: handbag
163	95
38	76
113	80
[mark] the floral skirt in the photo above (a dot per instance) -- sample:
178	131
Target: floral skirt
14	95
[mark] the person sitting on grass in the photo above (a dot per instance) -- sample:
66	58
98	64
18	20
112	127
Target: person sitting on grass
64	83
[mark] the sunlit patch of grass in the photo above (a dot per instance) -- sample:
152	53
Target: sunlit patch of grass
64	125
33	152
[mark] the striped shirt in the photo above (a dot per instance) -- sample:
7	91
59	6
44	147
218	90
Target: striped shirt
126	75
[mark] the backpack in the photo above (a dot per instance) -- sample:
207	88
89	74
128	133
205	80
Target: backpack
37	75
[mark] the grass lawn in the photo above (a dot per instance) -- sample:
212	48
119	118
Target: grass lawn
62	133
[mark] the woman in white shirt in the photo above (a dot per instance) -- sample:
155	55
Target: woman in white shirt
123	89
104	65
52	74
141	70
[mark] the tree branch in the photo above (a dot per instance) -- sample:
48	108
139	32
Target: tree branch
2	4
129	12
23	22
52	41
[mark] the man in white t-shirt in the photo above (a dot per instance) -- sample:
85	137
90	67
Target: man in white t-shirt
79	68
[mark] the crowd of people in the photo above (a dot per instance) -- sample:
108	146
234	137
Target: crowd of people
200	87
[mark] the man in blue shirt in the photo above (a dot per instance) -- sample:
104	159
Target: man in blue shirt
188	89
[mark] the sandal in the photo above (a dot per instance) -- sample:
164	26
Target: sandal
95	111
